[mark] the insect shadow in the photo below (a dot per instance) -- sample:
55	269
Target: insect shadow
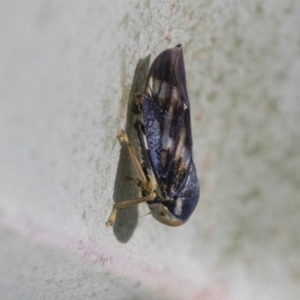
127	218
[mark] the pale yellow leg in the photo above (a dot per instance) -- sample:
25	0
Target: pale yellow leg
127	203
124	138
143	182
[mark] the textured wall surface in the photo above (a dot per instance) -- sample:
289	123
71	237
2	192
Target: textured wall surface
68	70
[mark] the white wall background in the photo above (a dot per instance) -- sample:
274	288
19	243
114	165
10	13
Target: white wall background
68	70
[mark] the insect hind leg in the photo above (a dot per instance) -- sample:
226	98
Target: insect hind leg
147	185
127	203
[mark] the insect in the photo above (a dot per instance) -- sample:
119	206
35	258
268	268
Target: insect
167	174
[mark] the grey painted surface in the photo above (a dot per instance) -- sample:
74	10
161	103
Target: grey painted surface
68	71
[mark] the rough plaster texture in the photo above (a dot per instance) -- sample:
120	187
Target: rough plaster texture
69	70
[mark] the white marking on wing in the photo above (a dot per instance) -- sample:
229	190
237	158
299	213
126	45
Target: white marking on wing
180	146
156	86
165	139
150	86
185	155
178	207
164	93
167	127
145	141
170	144
150	83
174	97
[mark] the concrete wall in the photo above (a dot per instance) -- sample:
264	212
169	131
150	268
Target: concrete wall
68	71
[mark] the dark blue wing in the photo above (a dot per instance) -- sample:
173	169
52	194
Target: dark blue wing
166	119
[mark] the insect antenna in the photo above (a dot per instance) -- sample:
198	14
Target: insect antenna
149	213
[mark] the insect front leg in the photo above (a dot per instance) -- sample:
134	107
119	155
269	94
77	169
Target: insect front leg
146	182
123	137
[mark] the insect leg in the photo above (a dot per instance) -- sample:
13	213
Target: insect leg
123	137
127	203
